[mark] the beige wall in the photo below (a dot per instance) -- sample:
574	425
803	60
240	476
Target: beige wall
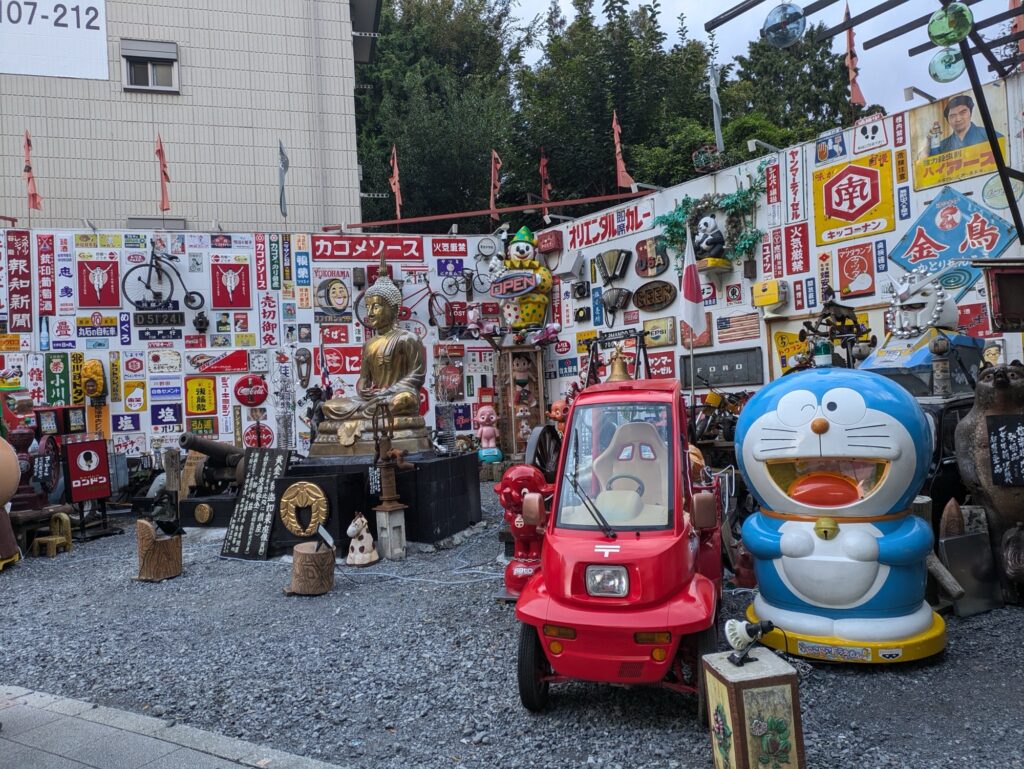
250	72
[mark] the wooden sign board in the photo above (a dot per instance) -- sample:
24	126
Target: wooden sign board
248	533
1006	448
654	296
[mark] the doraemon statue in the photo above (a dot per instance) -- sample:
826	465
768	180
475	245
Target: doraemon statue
835	457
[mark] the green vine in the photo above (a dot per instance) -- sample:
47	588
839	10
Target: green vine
741	235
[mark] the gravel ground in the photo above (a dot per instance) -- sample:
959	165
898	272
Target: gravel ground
413	664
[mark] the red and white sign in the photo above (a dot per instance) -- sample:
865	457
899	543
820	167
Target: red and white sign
46	269
262	273
899	129
851	193
449	247
368	248
251	390
270	319
796	205
617	223
773	183
424	401
798	294
99	279
86	462
19	282
562	346
134	362
334	334
195	341
258	436
973	320
233	362
798	248
339	360
856	268
778	253
550	241
231	287
663	365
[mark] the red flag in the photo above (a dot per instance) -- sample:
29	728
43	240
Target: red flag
396	186
545	184
856	96
622	178
495	182
165	177
693	302
35	200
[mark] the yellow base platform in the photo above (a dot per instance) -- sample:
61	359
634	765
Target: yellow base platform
831	649
6	561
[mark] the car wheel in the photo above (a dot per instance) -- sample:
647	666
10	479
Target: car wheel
532	667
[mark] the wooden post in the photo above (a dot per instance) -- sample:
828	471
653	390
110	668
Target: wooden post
312	569
159	555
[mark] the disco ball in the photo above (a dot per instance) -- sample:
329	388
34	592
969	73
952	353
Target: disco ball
947	65
950	25
784	25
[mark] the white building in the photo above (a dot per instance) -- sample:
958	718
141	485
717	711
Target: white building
222	81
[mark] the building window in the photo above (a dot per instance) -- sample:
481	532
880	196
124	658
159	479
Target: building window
150	65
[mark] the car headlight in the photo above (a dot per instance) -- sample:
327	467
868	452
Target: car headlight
607	581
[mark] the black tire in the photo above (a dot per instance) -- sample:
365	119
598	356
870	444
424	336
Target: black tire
701	426
194	300
147	283
707	643
531	668
481	282
359	308
451	285
439	311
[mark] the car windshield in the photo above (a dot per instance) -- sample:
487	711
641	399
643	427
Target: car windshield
619	459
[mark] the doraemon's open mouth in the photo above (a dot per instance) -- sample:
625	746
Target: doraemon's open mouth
828	481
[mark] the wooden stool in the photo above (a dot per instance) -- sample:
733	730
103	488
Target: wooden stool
312	569
159	555
754	712
59	536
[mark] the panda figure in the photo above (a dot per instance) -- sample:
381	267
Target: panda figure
835	457
709	241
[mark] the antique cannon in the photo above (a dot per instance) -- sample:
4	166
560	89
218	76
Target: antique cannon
222	467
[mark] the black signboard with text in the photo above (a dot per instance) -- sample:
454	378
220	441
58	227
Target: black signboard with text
1006	446
248	533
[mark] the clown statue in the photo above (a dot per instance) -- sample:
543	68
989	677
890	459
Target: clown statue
835	457
523	284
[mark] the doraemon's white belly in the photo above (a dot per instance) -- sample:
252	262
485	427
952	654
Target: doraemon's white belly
828	577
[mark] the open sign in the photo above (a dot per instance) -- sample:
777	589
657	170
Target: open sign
514	283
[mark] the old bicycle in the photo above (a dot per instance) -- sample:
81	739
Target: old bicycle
152	283
467	282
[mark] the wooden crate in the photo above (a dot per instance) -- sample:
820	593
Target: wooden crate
754	712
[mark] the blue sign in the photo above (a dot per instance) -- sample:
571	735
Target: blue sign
568	367
97	344
302	268
597	313
903	202
164	414
124	325
948	234
811	292
830	146
462	413
881	259
126	423
63	345
164	393
447	267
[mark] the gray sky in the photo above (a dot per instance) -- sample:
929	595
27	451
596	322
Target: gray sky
884	70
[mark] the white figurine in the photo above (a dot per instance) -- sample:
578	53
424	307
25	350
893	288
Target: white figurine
361	550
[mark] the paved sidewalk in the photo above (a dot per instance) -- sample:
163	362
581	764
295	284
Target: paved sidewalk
41	731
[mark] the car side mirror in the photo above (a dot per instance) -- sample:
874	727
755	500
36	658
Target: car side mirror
704	511
534	513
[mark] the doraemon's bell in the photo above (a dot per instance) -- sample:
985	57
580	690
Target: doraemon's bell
826	528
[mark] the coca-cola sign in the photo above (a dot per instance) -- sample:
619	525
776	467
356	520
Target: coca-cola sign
251	390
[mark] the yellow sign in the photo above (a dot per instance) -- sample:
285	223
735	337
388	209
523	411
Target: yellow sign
787	345
77	388
134	395
854	199
115	377
901	166
583	340
247	339
105	320
10	342
200	395
948	142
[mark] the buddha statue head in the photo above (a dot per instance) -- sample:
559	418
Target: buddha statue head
382	299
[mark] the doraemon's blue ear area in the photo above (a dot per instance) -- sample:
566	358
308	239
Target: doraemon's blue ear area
849	441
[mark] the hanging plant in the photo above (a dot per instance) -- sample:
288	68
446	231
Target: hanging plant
740	207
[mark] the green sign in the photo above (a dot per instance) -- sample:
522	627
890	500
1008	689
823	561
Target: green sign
58	379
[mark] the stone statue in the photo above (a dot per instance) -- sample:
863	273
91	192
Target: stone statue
393	369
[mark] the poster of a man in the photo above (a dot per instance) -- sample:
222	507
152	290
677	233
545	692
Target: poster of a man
949	143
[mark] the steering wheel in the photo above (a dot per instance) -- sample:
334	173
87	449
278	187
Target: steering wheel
637	481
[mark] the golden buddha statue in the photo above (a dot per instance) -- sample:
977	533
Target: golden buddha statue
392	371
